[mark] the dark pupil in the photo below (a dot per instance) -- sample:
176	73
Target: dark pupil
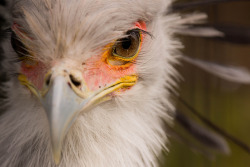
127	46
126	43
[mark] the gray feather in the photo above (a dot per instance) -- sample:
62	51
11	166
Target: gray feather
229	73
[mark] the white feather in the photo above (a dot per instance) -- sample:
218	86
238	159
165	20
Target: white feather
126	131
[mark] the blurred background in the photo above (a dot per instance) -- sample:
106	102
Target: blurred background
225	103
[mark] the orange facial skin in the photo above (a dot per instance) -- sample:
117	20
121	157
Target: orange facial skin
97	72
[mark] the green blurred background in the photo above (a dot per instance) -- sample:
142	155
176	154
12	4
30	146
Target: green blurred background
224	103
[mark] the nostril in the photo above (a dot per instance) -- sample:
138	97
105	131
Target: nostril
75	81
48	80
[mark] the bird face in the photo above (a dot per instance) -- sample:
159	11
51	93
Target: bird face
74	60
67	87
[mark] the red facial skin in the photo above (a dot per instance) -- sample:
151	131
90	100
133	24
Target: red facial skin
104	73
97	73
35	74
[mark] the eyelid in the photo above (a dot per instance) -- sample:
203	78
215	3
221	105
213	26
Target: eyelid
114	59
142	31
119	62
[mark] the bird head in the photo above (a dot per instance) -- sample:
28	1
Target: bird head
69	87
83	57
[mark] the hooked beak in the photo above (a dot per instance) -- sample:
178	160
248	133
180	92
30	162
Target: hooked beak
63	101
62	105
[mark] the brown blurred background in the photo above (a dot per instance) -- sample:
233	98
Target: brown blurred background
224	103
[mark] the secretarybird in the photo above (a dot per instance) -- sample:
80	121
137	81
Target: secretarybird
90	82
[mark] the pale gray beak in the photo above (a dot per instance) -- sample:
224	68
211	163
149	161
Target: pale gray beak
62	106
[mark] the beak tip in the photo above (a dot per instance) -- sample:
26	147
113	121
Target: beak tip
56	150
57	157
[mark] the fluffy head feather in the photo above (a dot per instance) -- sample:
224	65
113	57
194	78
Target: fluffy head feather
125	131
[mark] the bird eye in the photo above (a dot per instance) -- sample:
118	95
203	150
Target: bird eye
22	51
127	48
18	46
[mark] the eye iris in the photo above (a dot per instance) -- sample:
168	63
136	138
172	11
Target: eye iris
127	47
